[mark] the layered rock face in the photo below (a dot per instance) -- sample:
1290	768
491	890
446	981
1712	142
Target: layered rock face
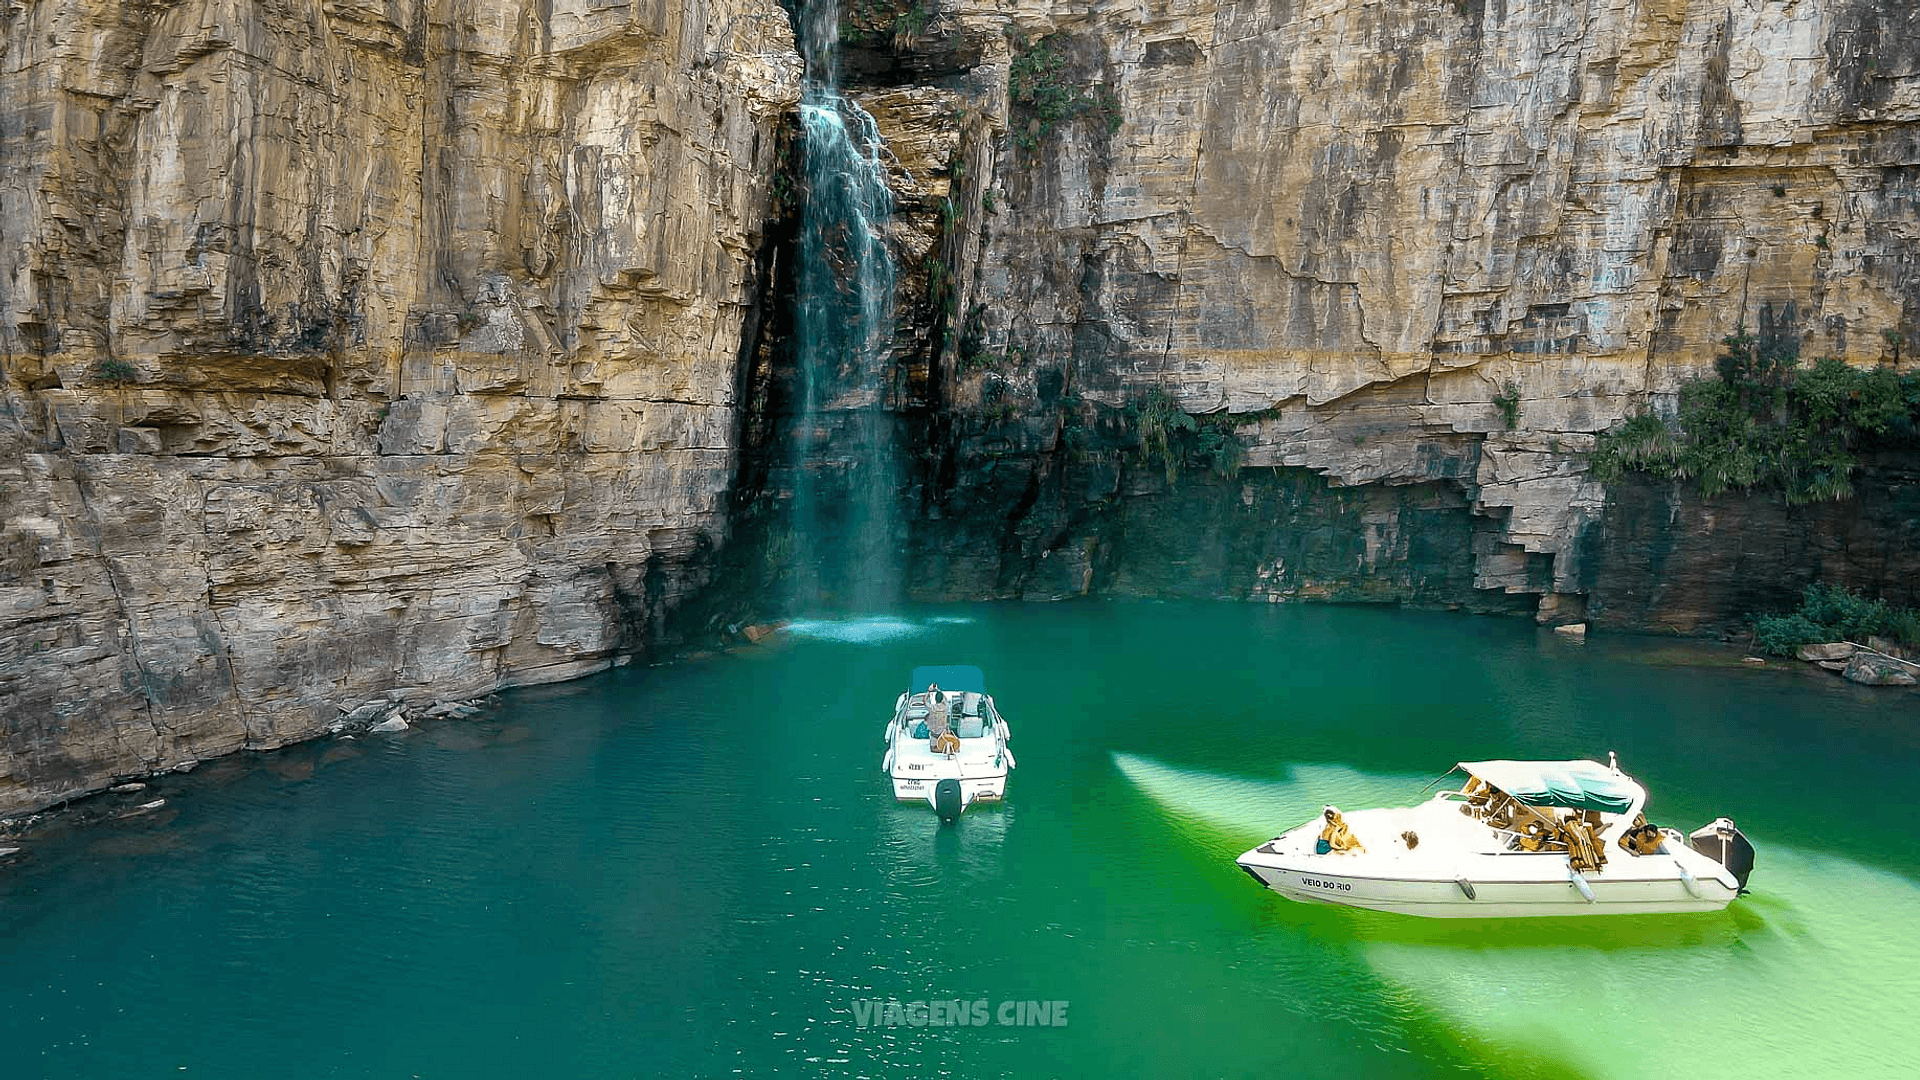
1661	557
359	348
1410	243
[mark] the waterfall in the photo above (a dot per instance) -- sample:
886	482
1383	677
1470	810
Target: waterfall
845	526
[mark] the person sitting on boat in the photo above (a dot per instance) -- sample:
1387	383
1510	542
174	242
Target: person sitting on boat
1641	838
941	737
1339	839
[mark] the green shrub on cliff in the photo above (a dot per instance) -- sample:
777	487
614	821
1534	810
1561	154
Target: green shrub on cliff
1045	92
1159	419
1171	437
1768	422
1834	613
1782	635
115	371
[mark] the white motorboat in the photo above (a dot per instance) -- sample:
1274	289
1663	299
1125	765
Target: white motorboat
946	743
1519	838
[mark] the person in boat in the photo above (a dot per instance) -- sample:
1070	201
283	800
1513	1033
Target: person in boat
1642	838
1338	837
941	738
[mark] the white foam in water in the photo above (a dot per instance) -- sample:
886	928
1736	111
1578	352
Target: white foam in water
1815	974
866	631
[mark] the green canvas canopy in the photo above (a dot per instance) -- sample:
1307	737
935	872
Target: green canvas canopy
1574	785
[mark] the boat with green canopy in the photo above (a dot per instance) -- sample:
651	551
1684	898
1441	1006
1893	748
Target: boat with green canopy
1518	838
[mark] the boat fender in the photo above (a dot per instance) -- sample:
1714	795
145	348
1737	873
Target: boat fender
1580	882
1686	878
1465	887
1011	764
886	763
946	799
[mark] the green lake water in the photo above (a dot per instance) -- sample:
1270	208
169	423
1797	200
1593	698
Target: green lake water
697	870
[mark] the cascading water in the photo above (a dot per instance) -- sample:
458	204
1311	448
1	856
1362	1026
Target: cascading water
844	521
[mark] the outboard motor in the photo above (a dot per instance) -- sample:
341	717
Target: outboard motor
946	799
1726	845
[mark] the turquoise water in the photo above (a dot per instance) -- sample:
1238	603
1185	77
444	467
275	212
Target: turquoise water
697	871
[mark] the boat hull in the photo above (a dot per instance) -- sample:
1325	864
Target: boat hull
1549	892
919	788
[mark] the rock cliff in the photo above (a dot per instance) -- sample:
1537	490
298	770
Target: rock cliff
433	346
359	348
1430	245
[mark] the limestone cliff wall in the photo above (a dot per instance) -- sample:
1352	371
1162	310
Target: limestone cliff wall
1347	232
359	347
353	348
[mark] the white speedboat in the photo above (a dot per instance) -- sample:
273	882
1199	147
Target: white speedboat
946	743
1518	838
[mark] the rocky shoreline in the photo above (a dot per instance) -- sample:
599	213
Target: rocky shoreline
1878	663
147	795
394	713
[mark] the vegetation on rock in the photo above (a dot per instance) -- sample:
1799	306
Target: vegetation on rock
1768	422
1508	402
1834	613
116	371
1169	435
1044	92
878	23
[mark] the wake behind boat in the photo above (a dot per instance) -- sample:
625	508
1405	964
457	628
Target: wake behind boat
1520	838
946	743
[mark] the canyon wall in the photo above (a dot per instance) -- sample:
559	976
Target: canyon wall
358	349
415	349
1412	244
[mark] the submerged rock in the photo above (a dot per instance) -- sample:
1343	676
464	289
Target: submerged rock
391	724
1577	631
145	808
